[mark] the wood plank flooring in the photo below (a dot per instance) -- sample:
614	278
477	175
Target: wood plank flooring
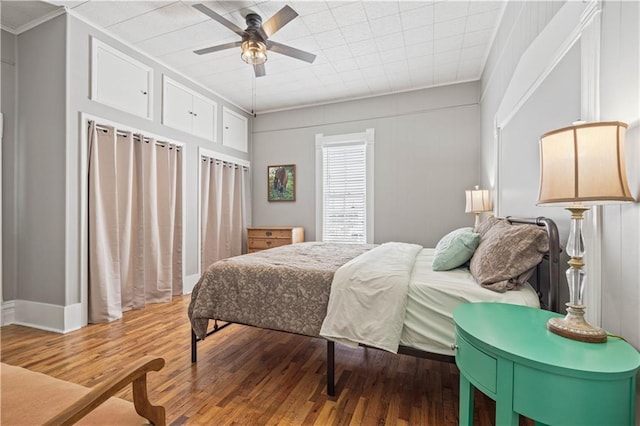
248	376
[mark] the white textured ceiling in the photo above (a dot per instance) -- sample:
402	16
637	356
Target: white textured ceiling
363	48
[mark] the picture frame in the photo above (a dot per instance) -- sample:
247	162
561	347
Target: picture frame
281	183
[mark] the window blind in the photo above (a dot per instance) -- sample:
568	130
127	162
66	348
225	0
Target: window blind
344	193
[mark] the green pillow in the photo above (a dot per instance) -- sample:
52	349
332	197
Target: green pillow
455	248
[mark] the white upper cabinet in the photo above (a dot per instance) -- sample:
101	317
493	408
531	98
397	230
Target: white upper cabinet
186	110
234	130
120	81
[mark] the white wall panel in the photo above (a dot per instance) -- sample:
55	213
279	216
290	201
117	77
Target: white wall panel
619	99
555	104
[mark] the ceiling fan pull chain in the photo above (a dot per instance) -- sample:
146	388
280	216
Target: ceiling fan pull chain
253	96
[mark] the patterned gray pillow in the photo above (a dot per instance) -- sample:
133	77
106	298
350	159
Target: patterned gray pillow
507	254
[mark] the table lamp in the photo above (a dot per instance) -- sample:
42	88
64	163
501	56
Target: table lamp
580	166
477	202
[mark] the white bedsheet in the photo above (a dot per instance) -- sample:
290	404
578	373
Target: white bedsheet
432	297
369	295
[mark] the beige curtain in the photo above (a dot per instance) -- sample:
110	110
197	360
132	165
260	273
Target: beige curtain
135	222
223	189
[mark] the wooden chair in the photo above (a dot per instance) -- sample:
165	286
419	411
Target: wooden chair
29	397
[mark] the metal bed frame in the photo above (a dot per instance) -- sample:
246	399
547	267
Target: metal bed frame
547	293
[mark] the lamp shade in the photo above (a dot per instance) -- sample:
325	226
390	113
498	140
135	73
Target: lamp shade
477	200
584	163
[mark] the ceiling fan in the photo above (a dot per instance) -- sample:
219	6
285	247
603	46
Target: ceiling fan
255	38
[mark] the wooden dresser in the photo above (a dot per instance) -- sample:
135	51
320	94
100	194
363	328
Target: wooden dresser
264	237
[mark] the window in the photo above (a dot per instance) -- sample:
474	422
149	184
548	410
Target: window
344	193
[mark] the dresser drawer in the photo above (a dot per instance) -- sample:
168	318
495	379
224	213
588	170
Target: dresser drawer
269	233
265	243
480	368
266	237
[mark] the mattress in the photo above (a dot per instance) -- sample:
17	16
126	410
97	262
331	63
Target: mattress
284	288
433	295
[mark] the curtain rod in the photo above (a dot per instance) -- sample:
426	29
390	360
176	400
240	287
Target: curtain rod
218	161
136	136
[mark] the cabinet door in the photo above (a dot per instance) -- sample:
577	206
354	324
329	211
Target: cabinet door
177	107
204	113
120	81
234	131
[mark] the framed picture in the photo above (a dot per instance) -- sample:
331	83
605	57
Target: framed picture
281	183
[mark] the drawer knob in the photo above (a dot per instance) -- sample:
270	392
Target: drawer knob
268	233
453	346
268	243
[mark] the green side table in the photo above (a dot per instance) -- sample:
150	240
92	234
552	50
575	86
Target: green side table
507	353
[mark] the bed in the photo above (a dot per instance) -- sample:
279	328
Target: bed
297	289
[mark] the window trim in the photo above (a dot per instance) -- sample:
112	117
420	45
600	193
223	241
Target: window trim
367	137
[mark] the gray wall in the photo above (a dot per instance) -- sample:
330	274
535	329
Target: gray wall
40	167
9	154
426	155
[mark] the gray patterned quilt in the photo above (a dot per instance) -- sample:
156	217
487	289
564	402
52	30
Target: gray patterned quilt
285	288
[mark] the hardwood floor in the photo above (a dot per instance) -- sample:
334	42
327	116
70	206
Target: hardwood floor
248	376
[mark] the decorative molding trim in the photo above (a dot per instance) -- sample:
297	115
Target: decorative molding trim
190	282
497	149
73	317
44	316
8	313
536	63
591	33
29	25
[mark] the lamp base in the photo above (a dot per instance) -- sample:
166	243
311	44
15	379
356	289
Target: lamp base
575	327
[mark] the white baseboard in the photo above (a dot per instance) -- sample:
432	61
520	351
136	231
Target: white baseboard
44	316
189	283
8	313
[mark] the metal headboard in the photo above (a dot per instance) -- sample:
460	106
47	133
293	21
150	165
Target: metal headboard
548	292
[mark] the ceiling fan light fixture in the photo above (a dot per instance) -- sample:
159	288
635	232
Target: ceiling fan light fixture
254	52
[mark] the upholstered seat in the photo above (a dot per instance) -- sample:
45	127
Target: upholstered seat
32	398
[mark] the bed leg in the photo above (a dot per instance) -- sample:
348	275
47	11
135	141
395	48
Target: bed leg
331	368
194	347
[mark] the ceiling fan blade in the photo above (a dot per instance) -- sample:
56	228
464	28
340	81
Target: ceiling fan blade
259	70
218	47
219	18
290	51
279	20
